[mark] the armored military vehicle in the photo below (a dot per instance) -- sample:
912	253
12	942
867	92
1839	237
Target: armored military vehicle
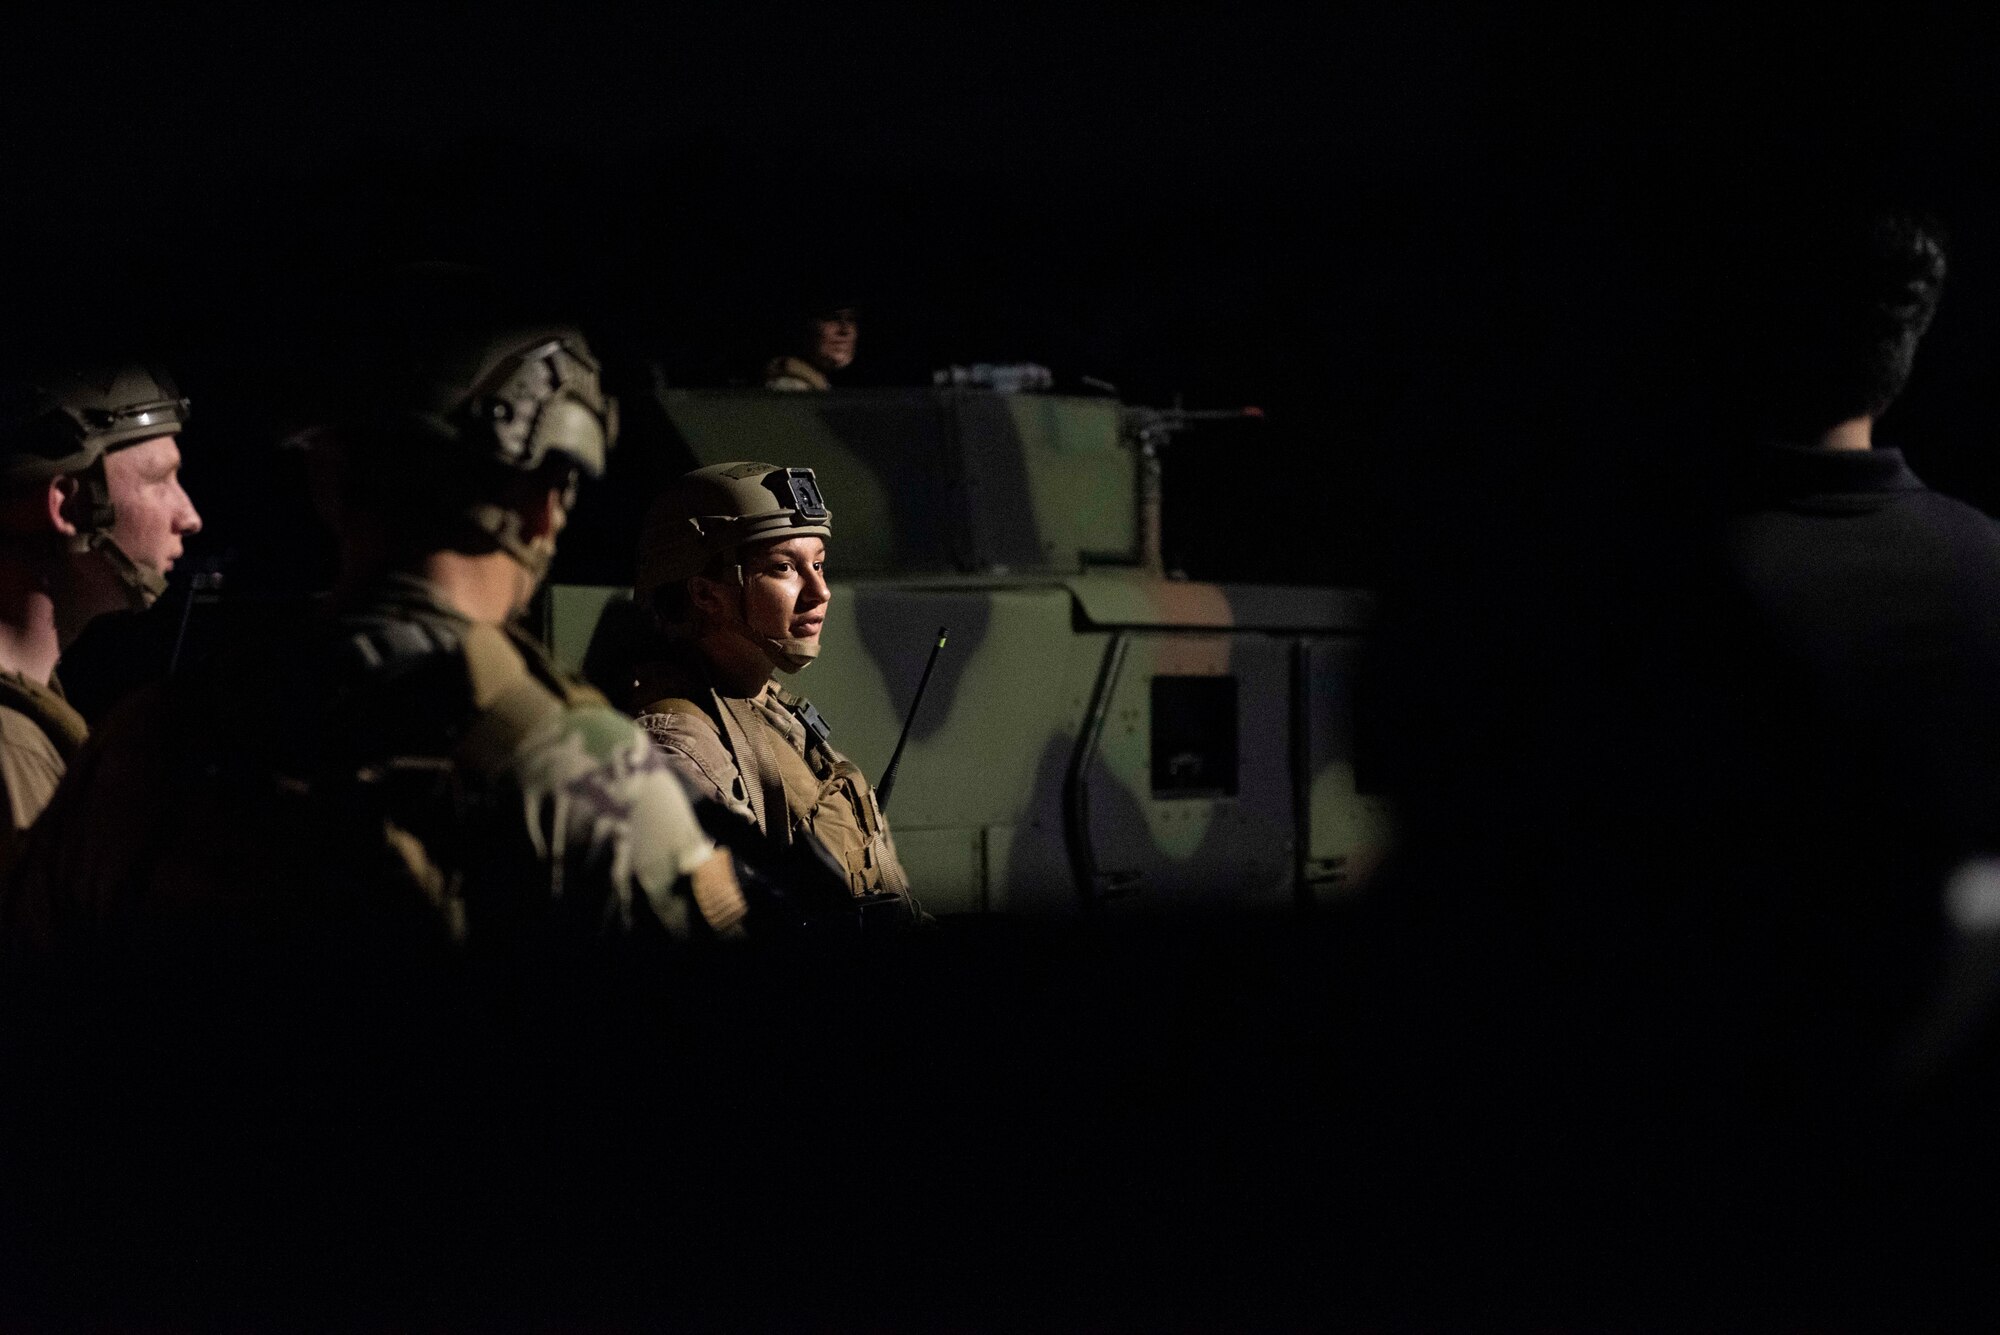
1095	734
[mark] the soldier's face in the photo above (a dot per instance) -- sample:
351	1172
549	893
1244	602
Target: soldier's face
784	588
154	514
834	339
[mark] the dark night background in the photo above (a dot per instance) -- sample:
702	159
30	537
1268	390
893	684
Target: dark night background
1419	240
1447	254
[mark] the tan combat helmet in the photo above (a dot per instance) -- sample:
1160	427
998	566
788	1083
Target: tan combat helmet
517	397
711	513
468	401
64	424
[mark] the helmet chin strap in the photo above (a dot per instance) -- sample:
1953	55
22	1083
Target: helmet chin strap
503	525
787	654
143	584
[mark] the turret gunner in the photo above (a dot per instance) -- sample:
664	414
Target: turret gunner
821	344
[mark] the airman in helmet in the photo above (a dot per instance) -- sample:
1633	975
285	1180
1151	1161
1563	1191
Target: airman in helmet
92	516
410	758
732	568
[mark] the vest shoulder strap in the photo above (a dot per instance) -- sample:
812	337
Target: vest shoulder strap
573	691
763	791
673	704
45	705
511	701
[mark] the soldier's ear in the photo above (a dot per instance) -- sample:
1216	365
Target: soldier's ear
711	597
61	498
544	515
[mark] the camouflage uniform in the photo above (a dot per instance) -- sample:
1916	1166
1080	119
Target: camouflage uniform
393	764
765	759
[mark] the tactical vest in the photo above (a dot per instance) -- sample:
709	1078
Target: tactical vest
510	699
376	787
26	781
515	690
46	707
800	775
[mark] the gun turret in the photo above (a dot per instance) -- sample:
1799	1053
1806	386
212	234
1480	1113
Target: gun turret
1149	430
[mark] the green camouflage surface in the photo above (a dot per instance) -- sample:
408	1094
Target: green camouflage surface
939	481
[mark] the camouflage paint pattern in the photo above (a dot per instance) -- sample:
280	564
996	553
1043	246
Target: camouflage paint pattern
934	482
1093	736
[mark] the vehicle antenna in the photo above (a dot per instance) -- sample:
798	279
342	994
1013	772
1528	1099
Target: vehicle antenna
896	757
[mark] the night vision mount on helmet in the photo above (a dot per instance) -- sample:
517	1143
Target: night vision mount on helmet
539	401
63	425
530	398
